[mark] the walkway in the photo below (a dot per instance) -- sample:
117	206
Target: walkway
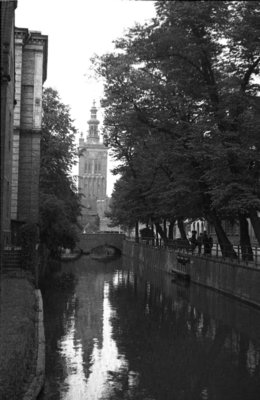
181	246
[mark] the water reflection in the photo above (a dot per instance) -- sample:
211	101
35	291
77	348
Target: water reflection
133	334
104	359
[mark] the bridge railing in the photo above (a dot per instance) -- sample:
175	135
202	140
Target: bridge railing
249	257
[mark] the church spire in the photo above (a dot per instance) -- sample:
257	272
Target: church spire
93	122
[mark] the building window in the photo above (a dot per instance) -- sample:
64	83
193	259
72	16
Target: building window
97	166
89	166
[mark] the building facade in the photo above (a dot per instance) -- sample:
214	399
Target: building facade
31	71
92	183
7	111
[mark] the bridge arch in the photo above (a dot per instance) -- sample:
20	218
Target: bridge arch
89	241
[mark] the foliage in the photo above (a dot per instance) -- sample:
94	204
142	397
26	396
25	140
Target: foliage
181	112
59	201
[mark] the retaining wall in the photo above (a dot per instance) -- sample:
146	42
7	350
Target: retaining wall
240	281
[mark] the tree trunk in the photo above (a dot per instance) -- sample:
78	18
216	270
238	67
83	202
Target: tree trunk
246	249
151	226
171	227
225	244
165	227
137	232
255	221
160	231
181	228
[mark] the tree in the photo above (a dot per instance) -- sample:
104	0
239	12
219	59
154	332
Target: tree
59	201
186	81
202	44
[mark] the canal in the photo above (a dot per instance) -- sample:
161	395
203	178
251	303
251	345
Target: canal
118	331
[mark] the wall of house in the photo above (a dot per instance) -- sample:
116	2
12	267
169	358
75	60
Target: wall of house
30	64
7	106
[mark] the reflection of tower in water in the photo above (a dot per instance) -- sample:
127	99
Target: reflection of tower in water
90	314
92	174
89	349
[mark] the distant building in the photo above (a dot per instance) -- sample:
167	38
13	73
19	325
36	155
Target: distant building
92	182
30	70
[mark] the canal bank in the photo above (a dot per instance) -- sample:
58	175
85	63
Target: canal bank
22	350
236	280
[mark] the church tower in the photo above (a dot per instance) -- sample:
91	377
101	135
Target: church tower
92	173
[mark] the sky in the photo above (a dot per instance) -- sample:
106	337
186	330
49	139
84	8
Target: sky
76	31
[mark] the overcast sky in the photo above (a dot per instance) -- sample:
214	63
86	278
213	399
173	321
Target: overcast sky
77	30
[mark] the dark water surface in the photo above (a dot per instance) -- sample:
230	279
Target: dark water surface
117	331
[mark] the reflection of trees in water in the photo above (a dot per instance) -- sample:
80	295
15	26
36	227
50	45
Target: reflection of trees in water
177	350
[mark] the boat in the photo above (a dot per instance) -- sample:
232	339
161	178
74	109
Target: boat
180	275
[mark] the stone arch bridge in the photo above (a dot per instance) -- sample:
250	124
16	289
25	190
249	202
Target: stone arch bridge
89	241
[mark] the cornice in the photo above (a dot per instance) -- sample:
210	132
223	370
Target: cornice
33	38
21	33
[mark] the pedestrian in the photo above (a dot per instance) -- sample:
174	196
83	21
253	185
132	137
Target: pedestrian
210	244
200	242
193	241
207	242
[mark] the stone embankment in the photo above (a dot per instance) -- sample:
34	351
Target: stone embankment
237	280
22	348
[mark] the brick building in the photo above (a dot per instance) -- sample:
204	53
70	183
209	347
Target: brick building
7	107
23	71
31	71
92	175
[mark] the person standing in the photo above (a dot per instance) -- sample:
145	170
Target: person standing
210	244
207	242
200	242
193	241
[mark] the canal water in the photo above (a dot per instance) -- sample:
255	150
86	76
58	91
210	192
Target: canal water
118	331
